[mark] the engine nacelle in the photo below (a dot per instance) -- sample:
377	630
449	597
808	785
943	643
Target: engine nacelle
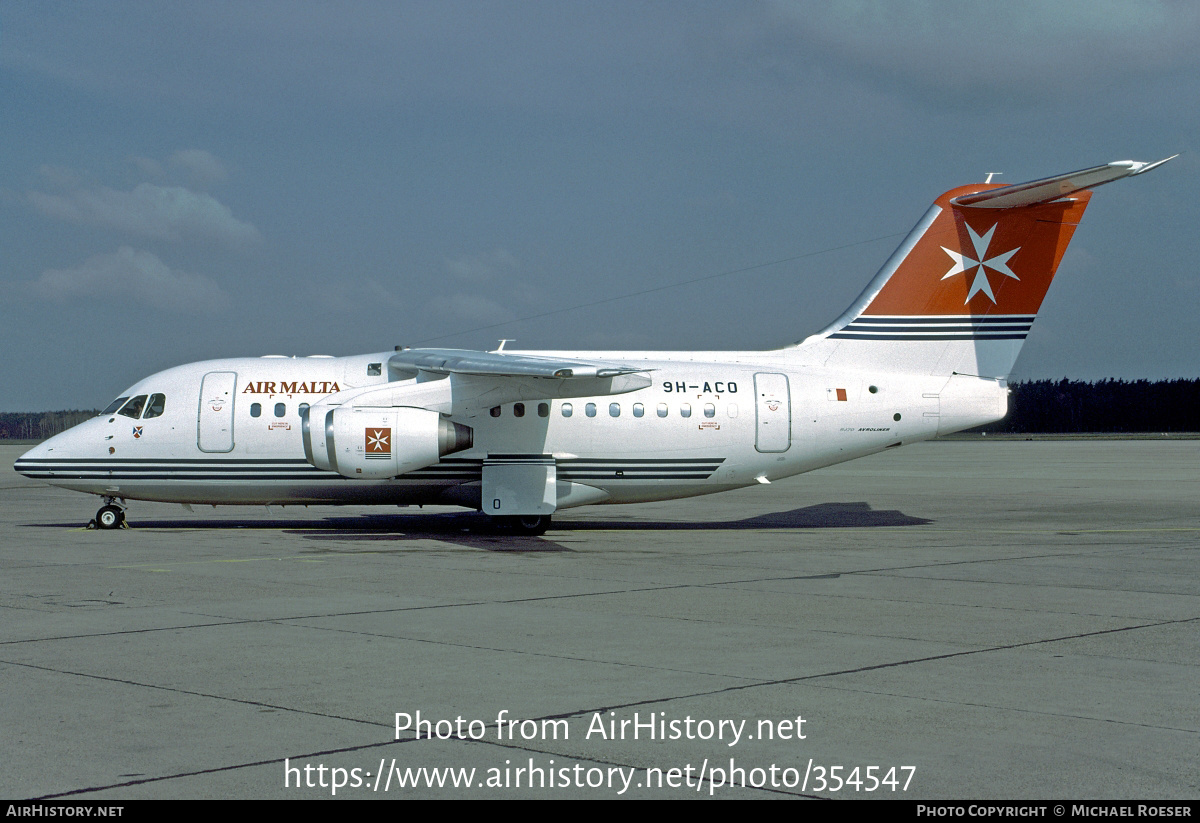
377	443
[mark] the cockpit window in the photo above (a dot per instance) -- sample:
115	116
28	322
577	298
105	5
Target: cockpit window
134	407
114	405
155	407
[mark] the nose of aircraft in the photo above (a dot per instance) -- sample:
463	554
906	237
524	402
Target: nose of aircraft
40	450
37	462
26	463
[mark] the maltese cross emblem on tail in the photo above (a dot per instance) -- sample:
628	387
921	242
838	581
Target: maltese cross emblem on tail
962	263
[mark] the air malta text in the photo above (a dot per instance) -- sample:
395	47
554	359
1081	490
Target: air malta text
291	387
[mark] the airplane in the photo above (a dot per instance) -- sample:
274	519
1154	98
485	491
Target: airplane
925	350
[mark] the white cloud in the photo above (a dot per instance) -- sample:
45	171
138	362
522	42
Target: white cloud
480	268
204	168
353	296
148	167
473	308
159	212
133	275
963	51
494	272
195	166
59	177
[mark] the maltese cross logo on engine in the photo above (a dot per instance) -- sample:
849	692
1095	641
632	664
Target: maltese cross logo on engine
379	442
980	262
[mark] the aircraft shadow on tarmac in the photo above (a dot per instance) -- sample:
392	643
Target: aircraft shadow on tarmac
820	516
474	529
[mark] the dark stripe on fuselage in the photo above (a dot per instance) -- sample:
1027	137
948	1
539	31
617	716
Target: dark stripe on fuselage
949	320
963	327
947	336
244	470
172	460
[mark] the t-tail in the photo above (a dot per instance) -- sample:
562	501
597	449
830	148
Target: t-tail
962	291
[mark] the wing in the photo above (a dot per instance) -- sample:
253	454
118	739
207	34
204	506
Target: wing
502	364
454	381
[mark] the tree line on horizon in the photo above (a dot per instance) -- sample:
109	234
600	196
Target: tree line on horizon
40	425
1104	406
1035	406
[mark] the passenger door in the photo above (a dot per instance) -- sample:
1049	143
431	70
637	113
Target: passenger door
773	413
215	421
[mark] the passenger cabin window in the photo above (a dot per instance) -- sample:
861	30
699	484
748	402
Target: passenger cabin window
114	405
710	410
155	407
662	409
494	411
685	410
733	409
567	409
590	409
638	409
543	409
134	407
518	409
256	409
374	369
280	410
302	408
614	409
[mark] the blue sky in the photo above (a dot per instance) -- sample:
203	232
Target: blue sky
181	182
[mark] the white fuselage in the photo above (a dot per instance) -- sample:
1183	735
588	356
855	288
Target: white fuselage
924	350
708	422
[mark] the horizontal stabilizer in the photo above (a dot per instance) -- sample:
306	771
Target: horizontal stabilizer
1053	188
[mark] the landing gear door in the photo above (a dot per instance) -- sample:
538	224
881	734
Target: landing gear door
215	422
519	487
773	413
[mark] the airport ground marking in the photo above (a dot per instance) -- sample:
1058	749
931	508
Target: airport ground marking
1065	531
584	712
542	598
872	667
176	563
510	745
1016	709
486	741
581	712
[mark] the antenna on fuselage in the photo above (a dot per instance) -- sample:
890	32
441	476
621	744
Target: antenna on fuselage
992	174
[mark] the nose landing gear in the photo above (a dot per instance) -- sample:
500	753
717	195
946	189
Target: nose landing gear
110	515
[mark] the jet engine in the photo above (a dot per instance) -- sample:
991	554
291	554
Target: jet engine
378	443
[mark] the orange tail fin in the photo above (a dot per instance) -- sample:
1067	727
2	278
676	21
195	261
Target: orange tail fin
962	291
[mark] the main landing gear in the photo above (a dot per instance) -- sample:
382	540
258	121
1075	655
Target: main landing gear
110	515
532	525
